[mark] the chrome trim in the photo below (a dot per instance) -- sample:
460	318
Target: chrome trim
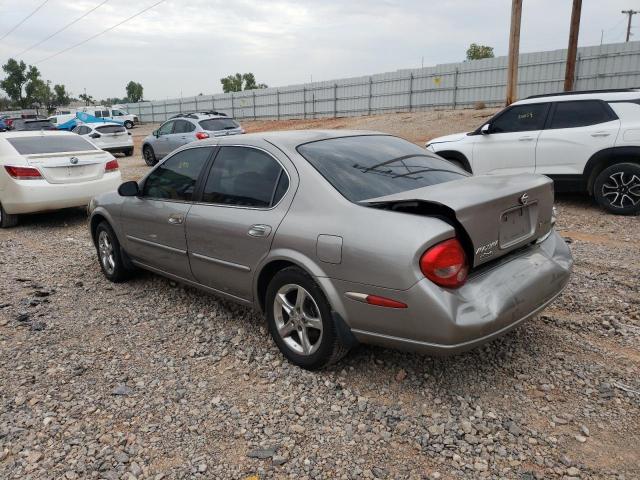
217	261
157	245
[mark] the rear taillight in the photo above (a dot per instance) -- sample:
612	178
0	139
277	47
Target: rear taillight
445	264
23	173
111	166
202	135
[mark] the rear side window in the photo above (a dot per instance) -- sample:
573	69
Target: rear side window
50	144
182	126
579	114
521	118
111	129
175	179
371	166
245	177
215	124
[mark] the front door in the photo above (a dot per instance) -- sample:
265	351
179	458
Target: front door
154	222
162	144
510	145
182	134
231	228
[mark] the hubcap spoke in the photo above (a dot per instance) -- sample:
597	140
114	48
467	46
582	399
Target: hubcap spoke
620	191
304	340
284	303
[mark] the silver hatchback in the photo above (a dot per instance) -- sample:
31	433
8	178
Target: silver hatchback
186	128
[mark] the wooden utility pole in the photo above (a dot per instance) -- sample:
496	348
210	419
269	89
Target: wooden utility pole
572	49
514	51
631	13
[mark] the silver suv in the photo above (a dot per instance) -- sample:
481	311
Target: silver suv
186	128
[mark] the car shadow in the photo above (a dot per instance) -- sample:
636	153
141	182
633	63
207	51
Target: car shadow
68	217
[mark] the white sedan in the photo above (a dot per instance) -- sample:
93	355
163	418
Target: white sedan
50	170
110	137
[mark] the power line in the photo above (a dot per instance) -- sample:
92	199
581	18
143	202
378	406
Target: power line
99	33
61	30
24	19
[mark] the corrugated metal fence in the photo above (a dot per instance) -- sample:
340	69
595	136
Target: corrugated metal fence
456	85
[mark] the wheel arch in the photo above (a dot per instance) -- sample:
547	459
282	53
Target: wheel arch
605	158
456	155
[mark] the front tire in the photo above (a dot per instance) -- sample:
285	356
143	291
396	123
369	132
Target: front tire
7	220
300	320
110	254
149	156
617	189
128	124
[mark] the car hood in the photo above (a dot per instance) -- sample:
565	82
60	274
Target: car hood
455	137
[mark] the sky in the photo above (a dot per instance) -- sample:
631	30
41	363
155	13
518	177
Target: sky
183	47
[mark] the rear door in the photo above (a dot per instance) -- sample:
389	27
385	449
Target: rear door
510	146
154	222
232	226
575	131
183	133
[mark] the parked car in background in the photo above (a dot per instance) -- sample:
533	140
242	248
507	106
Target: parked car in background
109	113
32	125
186	128
297	224
585	141
49	170
110	137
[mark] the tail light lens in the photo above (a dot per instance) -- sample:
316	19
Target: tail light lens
23	173
445	264
111	166
202	135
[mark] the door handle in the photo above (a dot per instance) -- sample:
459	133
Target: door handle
600	134
525	139
259	231
176	219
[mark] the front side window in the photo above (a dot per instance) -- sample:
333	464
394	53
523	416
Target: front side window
117	113
579	114
521	118
182	126
166	128
371	166
175	179
50	144
245	177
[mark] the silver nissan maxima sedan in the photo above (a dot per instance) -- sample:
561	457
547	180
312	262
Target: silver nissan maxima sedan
341	237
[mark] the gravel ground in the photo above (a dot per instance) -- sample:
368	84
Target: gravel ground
150	379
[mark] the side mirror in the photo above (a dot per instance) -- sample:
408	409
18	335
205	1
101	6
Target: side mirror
129	189
155	133
486	129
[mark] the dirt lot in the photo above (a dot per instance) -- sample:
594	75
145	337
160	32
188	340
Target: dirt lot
149	379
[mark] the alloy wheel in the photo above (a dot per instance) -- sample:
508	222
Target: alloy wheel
298	319
105	247
622	190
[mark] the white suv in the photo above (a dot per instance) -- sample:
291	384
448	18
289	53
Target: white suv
585	141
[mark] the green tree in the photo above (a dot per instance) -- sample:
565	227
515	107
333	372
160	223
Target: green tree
61	95
33	87
87	99
477	52
134	91
15	80
239	82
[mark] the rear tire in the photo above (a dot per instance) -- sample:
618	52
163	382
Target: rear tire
617	189
110	254
300	320
128	124
7	220
149	156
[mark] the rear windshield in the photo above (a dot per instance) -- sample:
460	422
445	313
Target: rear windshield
373	166
111	129
33	125
214	124
50	144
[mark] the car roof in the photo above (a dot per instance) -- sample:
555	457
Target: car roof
32	133
98	124
606	95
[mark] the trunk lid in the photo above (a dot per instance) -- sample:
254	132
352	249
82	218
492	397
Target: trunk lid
72	167
494	214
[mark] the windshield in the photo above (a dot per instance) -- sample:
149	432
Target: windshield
371	166
214	124
50	144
